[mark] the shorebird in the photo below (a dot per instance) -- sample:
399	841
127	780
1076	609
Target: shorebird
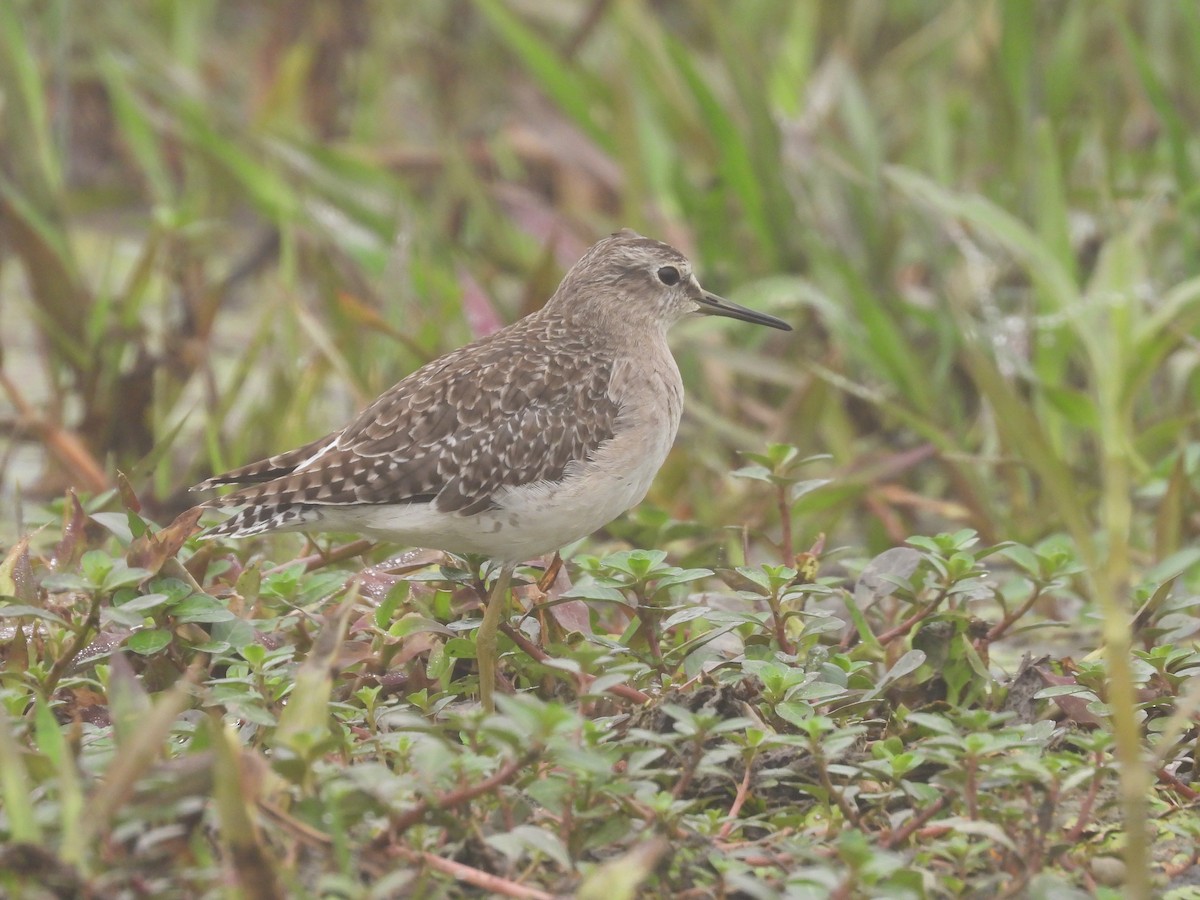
510	447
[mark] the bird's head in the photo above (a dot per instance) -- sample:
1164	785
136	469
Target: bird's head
643	282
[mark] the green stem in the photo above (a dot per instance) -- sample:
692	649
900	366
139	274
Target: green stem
1111	583
485	640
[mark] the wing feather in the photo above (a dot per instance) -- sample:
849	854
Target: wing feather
514	409
267	469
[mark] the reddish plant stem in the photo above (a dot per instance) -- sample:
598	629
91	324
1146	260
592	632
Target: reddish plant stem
493	884
908	624
739	800
1035	844
1174	870
1178	786
1006	623
689	772
550	573
452	799
848	812
648	629
582	680
900	835
66	446
779	626
90	626
1085	809
320	560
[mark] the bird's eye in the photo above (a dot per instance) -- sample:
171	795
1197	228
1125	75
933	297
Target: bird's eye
668	275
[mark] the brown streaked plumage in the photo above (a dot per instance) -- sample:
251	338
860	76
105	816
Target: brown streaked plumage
516	444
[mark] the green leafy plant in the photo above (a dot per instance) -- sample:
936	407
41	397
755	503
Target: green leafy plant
229	231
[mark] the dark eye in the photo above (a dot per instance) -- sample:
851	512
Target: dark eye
668	275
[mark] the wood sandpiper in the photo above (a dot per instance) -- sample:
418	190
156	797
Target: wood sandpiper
510	447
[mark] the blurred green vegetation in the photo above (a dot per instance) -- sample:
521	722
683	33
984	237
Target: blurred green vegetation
224	227
230	225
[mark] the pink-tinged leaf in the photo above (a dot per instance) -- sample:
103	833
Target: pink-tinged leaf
533	215
376	582
74	538
1074	705
16	573
129	498
571	615
151	551
482	317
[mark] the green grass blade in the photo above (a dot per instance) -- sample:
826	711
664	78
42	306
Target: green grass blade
51	742
16	788
1057	288
574	92
17	55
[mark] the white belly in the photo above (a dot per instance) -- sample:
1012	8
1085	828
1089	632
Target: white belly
531	520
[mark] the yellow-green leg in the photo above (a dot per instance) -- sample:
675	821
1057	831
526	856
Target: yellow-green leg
485	640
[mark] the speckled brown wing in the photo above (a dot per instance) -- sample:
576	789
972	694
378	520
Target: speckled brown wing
511	410
266	469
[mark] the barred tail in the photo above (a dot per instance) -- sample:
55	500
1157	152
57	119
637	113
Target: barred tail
258	517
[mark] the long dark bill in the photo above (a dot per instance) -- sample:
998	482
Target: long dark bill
712	305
